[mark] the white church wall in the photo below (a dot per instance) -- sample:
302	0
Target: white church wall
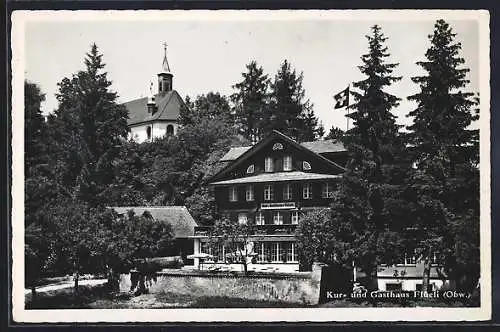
158	130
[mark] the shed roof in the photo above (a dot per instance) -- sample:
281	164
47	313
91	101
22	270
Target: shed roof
178	216
277	177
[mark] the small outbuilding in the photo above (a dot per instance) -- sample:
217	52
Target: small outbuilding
178	217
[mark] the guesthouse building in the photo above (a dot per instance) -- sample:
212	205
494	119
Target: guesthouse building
269	186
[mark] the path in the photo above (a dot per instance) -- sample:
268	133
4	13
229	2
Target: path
69	284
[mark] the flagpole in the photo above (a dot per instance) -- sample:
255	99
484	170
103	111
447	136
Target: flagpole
348	107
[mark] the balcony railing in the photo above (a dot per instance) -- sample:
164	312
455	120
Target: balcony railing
270	229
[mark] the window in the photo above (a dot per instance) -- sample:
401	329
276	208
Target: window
275	252
278	218
327	191
148	132
295	217
306	166
290	251
233	194
307	191
287	192
250	169
261	253
242	218
170	130
268	166
249	193
287	163
259	219
277	146
268	193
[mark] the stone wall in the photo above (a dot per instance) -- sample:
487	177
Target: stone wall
299	287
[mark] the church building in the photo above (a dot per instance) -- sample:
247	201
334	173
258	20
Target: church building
157	115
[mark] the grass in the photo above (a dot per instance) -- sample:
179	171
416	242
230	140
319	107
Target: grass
98	297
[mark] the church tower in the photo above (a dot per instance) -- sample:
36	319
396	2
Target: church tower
165	77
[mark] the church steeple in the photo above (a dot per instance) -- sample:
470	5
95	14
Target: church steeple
165	77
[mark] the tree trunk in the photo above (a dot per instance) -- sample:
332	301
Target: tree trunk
75	278
33	294
426	274
113	280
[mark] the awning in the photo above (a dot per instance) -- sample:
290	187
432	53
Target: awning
278	177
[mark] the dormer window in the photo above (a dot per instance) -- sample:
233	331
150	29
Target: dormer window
268	164
306	166
277	146
287	163
250	169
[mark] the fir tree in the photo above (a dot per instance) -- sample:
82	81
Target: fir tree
291	113
445	183
89	128
251	102
335	133
368	210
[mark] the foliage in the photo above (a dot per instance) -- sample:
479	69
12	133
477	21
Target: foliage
235	237
314	234
368	212
291	113
335	133
212	106
445	183
87	130
251	101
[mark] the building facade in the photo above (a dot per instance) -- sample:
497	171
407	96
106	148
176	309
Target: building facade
156	116
269	186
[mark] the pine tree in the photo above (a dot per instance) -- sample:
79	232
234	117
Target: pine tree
368	210
251	102
291	113
445	183
335	133
89	127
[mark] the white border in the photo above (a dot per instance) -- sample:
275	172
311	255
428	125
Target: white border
20	18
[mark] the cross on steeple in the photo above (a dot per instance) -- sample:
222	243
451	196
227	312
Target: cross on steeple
166	67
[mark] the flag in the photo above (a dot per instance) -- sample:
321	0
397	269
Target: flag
342	99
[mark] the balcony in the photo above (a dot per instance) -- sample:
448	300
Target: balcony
270	229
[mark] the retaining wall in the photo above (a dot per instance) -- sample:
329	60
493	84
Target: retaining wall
298	287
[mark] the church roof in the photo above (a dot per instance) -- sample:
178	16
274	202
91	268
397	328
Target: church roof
168	108
178	216
320	147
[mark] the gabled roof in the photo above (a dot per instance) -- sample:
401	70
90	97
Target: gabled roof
178	216
319	147
254	149
167	108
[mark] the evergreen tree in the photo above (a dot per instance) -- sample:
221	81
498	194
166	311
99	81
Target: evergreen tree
291	113
251	102
368	211
335	133
89	128
445	183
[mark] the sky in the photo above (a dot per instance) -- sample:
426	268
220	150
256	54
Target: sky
208	51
